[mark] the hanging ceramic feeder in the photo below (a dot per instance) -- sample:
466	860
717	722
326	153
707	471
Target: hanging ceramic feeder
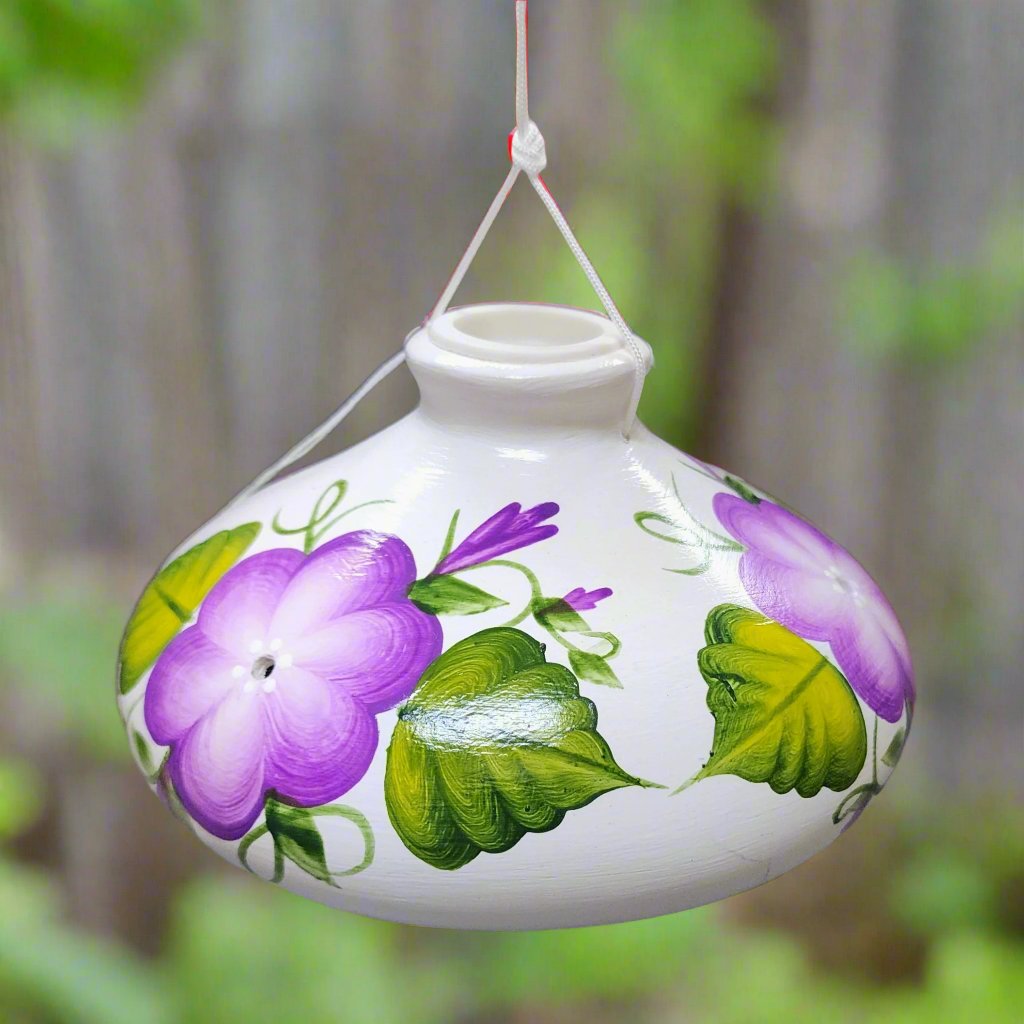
514	662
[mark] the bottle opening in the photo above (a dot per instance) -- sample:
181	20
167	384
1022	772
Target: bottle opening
524	334
516	368
537	325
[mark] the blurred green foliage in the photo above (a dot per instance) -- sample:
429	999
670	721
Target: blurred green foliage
721	59
88	634
248	952
63	60
936	314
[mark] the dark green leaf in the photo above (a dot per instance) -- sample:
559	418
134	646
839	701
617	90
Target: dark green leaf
446	595
742	489
559	615
593	668
494	743
297	838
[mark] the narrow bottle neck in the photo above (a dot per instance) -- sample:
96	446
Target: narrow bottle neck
520	367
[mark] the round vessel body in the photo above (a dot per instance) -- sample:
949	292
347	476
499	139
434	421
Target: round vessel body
618	683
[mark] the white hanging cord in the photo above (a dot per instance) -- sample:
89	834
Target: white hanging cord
529	156
311	440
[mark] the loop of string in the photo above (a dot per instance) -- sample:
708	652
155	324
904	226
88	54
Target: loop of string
529	156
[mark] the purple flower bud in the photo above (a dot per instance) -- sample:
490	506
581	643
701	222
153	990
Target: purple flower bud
507	530
581	600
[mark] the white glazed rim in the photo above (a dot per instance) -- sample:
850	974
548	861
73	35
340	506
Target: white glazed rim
524	333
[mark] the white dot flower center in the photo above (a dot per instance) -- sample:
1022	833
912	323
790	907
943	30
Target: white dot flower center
844	585
263	672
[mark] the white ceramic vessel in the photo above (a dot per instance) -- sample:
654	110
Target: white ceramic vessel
618	683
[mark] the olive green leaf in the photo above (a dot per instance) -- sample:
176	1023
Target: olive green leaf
895	748
172	597
594	668
494	743
297	839
783	713
446	595
142	752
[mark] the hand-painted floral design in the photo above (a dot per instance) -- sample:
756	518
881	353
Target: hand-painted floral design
275	688
268	674
812	586
507	530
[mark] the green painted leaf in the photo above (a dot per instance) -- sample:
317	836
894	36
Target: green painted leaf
446	595
172	597
742	489
494	743
297	838
557	614
895	749
593	668
142	751
783	713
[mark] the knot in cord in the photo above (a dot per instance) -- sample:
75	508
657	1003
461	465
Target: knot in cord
527	149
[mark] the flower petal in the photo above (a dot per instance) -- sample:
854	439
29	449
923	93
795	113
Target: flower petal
775	533
217	768
355	571
874	657
191	676
808	603
239	608
377	655
320	741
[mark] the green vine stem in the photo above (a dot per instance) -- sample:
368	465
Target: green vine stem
327	811
868	790
177	808
535	608
449	540
365	830
734	482
126	714
691	533
243	847
318	523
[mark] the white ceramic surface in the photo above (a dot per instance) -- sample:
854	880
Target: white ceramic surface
520	404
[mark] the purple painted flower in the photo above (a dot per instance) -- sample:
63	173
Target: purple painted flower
581	600
809	584
507	530
276	685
